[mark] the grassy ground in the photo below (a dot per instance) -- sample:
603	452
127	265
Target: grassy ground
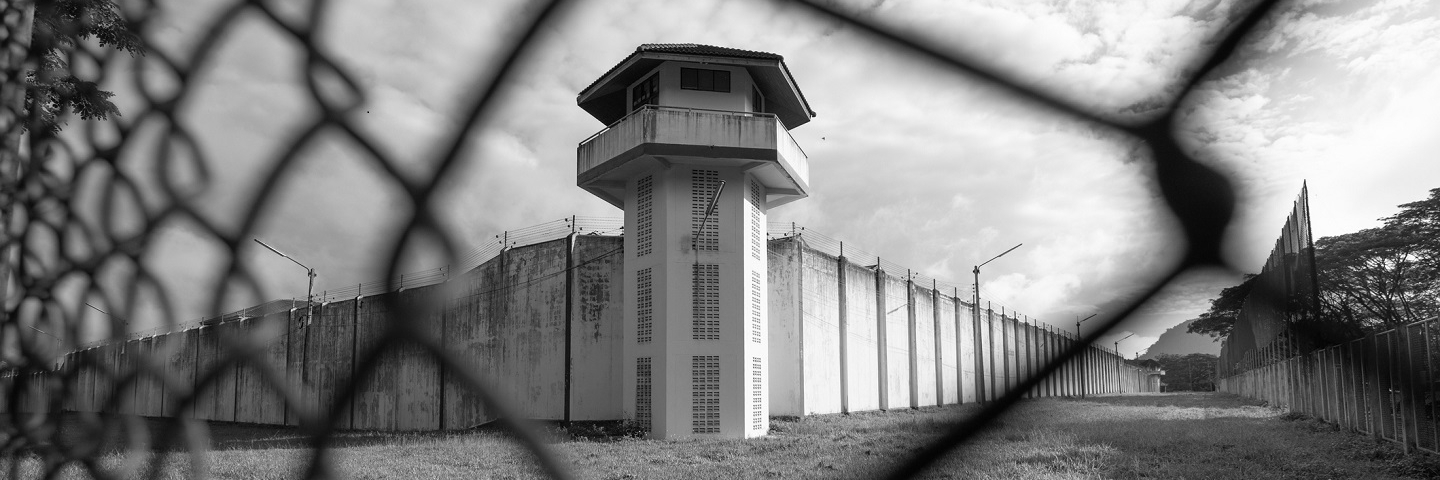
1149	436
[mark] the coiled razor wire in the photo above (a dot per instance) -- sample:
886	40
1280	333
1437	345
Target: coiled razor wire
50	241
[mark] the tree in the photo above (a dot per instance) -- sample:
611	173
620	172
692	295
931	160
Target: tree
1377	278
1420	221
1188	373
1373	279
1220	318
53	90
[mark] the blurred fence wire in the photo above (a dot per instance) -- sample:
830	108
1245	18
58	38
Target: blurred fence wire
74	213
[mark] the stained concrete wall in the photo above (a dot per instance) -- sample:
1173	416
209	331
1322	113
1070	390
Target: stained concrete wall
530	365
257	399
1012	352
106	378
541	326
125	361
988	358
295	358
465	335
784	325
210	392
926	349
147	387
374	404
180	353
924	389
968	351
948	376
402	391
329	360
596	329
820	337
862	339
897	342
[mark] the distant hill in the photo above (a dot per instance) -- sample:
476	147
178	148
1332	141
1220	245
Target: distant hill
1176	341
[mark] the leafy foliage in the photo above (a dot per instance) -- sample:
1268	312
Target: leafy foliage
1377	278
60	26
1188	373
1224	310
1373	279
1420	222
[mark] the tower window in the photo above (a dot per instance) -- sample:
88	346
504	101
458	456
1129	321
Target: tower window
705	80
646	92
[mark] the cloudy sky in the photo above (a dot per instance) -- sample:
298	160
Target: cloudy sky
910	160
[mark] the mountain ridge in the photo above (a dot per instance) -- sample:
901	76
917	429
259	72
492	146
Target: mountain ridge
1177	341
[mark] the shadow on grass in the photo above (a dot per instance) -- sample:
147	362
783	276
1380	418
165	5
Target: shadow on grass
77	430
1176	399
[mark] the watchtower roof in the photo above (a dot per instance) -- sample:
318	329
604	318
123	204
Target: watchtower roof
604	99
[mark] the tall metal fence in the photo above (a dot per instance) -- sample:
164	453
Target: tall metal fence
1383	384
47	188
1283	350
1280	316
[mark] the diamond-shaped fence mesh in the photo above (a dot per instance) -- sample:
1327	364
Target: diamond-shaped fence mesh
75	210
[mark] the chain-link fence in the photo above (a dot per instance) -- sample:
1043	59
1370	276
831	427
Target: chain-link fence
1383	384
50	242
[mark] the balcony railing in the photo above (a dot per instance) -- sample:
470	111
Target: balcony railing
694	126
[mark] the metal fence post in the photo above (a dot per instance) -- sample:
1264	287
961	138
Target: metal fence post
1430	382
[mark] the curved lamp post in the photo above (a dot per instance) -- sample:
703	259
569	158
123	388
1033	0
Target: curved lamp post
979	360
1083	377
1122	358
309	292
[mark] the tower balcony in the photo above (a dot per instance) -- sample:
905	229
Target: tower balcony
657	136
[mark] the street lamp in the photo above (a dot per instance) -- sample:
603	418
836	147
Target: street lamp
979	360
1083	377
309	292
57	342
1117	345
1077	324
1122	357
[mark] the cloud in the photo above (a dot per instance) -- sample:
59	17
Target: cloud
910	160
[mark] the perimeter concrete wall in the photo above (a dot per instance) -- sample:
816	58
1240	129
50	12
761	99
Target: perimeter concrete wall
541	327
893	301
848	337
862	338
820	333
784	318
597	326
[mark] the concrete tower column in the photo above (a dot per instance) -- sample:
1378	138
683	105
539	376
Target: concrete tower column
697	150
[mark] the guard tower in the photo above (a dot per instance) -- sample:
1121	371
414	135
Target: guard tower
696	150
